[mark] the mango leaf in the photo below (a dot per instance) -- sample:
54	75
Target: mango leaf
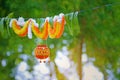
6	25
2	26
68	18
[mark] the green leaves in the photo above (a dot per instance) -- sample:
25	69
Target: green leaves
4	25
72	23
10	15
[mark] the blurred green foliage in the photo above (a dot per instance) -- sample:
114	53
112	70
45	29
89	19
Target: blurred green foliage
99	28
39	8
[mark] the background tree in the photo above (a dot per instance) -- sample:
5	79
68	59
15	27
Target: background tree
97	27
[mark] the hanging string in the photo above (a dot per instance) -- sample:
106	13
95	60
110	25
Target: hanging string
95	8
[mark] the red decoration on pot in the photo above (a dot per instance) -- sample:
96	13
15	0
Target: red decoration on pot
42	52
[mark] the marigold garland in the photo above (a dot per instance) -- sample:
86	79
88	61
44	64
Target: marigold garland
58	27
40	34
54	31
17	28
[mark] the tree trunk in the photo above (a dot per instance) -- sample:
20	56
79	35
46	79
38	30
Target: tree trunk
80	59
103	70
